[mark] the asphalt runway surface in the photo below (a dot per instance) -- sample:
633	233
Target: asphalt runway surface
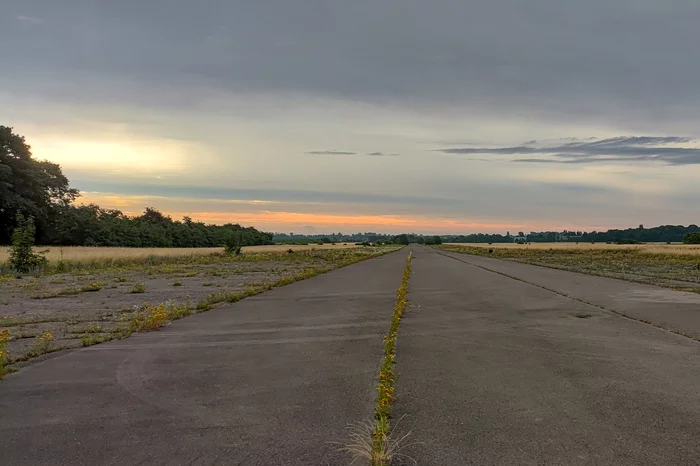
499	363
499	370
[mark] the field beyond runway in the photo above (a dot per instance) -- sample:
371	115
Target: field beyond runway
87	253
651	248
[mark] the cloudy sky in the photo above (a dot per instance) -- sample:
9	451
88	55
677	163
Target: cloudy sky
382	115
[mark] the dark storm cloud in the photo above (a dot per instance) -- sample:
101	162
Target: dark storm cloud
620	149
599	59
330	152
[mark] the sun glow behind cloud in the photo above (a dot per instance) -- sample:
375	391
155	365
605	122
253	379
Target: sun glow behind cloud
149	157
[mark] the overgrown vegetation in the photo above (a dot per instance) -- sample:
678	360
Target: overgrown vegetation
383	447
89	340
91	287
96	319
44	343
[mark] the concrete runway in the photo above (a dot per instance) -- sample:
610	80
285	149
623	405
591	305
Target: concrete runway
492	370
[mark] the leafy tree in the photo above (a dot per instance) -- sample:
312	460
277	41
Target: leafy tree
692	238
29	187
401	239
23	259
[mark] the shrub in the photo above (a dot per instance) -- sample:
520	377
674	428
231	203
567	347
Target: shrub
233	244
23	259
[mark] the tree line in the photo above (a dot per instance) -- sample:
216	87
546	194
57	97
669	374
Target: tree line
38	190
660	234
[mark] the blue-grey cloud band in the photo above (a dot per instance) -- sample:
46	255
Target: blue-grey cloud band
620	149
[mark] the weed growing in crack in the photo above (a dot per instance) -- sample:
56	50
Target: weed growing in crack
91	339
364	444
374	441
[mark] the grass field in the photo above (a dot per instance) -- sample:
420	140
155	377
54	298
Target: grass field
82	253
674	266
653	248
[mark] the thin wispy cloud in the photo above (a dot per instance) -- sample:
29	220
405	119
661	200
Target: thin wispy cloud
382	154
29	19
330	152
620	149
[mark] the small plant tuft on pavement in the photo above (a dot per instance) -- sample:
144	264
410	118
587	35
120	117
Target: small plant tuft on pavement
44	343
139	288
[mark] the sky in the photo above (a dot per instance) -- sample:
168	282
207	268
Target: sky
319	116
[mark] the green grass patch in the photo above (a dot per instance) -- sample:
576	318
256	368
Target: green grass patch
8	321
89	340
138	288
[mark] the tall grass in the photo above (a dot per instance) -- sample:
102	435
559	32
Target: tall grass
120	258
88	254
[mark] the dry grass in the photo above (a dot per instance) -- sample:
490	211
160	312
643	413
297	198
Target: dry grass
86	254
652	248
363	447
643	263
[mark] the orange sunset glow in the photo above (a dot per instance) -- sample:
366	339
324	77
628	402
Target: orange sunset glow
284	220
